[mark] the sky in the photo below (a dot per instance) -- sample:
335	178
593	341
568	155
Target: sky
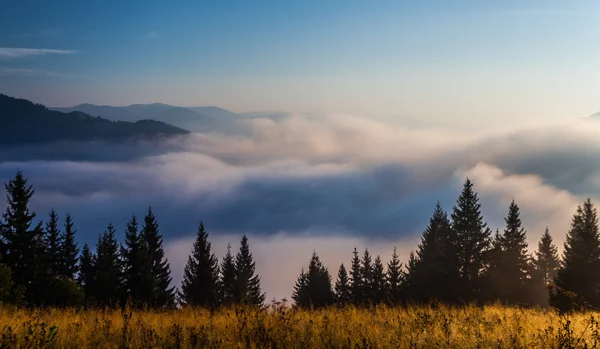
480	62
389	108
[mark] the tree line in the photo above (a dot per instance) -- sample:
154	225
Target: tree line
41	264
458	261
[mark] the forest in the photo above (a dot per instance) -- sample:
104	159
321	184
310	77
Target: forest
460	263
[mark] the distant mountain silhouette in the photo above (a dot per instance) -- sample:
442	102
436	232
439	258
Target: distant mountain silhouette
22	122
187	118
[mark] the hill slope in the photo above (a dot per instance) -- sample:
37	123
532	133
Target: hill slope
22	121
178	116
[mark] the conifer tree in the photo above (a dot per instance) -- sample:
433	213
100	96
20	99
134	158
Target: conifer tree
200	285
163	293
300	292
343	290
248	290
356	282
108	278
53	244
87	273
378	285
546	261
516	262
471	242
313	288
509	268
366	273
578	280
68	254
394	279
137	277
228	281
408	280
23	245
435	272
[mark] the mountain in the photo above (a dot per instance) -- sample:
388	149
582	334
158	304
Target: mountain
215	112
178	116
22	121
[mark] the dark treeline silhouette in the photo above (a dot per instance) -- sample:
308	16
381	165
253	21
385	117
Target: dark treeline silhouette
41	265
458	261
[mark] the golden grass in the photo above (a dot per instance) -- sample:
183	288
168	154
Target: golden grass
382	327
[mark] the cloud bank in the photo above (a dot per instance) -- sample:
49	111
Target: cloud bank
315	182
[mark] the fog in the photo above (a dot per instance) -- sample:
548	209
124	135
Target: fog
307	182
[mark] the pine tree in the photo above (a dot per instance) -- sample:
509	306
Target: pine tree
300	292
409	290
313	288
435	272
378	283
248	290
138	278
23	246
343	290
69	251
471	244
578	280
394	279
163	293
516	261
356	282
87	273
228	281
366	274
546	261
53	244
200	285
108	278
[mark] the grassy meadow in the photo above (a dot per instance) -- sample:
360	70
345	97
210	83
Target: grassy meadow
381	327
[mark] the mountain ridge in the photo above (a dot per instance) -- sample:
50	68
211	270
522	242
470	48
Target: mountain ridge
25	122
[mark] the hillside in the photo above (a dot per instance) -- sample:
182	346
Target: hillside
22	121
178	116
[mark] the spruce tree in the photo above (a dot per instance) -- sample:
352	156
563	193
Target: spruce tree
23	244
53	244
366	274
394	279
343	290
87	274
578	280
138	277
108	278
516	261
228	280
69	251
409	290
357	285
546	261
163	293
300	292
313	288
200	285
378	283
435	272
248	290
471	242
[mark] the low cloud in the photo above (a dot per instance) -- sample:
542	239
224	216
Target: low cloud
314	182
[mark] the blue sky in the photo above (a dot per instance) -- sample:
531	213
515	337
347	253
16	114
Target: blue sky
459	60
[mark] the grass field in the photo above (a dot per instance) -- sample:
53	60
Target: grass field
413	327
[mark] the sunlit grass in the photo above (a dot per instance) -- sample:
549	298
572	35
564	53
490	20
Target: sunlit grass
381	327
